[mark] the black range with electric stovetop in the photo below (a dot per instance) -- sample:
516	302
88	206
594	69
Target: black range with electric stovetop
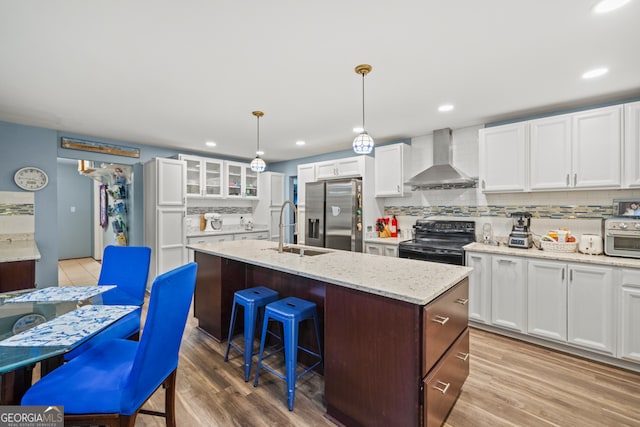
439	240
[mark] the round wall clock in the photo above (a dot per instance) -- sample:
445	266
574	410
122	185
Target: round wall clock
31	178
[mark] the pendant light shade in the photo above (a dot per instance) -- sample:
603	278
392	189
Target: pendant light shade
257	164
363	143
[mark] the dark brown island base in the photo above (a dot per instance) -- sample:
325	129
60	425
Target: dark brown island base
394	331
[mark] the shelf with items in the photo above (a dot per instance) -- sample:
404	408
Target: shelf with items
204	176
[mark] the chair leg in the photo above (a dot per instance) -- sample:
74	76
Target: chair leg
249	333
291	360
170	399
265	326
231	325
128	420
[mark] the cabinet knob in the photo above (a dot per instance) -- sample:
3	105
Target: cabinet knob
462	301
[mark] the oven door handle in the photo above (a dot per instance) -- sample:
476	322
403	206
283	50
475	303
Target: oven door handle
629	233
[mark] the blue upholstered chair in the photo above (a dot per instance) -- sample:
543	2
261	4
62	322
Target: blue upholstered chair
127	267
109	383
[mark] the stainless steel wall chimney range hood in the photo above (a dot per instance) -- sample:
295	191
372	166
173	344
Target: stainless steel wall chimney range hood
442	174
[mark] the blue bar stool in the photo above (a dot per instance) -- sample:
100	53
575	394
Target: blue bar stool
290	311
252	299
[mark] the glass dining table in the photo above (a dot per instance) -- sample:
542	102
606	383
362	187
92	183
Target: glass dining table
40	325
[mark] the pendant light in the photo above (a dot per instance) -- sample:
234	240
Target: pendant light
363	143
257	164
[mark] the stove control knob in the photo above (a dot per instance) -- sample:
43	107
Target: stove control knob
623	226
637	225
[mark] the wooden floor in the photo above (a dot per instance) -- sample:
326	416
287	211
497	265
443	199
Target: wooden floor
511	383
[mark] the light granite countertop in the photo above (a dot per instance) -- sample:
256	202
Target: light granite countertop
557	256
18	250
412	281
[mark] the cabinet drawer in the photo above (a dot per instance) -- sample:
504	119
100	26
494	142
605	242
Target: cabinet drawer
443	385
443	320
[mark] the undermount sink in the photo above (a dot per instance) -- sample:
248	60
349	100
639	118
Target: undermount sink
301	251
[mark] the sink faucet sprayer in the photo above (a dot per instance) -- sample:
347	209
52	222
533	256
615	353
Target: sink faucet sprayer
295	224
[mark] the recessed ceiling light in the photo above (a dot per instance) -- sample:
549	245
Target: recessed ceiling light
596	72
445	107
260	153
210	144
358	129
300	142
605	6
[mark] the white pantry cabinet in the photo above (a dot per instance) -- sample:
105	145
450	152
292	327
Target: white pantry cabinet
508	292
629	326
390	163
341	168
306	173
503	158
547	299
590	318
632	144
165	208
479	286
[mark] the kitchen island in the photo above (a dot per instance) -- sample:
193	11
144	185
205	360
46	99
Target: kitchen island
394	331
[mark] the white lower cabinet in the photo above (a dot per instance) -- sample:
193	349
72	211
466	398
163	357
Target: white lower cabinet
256	235
381	249
508	297
629	327
479	287
593	307
547	299
590	296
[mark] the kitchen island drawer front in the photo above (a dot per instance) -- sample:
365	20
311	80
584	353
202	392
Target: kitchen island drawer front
444	383
443	320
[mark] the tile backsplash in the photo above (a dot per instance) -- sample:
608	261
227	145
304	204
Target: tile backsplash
537	211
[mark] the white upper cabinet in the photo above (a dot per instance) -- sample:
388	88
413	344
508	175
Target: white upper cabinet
550	153
347	167
306	173
241	181
271	188
580	150
503	162
632	144
597	142
205	176
390	163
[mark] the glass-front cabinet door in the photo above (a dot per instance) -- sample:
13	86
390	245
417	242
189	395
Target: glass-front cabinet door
213	178
235	172
251	183
194	180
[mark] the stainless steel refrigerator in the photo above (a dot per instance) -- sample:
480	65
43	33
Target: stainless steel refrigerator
334	214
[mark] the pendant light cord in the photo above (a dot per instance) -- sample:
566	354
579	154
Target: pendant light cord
258	141
363	128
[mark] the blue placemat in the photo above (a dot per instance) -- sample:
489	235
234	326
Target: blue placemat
64	293
70	328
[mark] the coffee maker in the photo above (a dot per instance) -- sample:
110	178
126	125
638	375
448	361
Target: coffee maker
520	236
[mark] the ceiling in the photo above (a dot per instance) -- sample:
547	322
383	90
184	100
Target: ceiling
177	74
